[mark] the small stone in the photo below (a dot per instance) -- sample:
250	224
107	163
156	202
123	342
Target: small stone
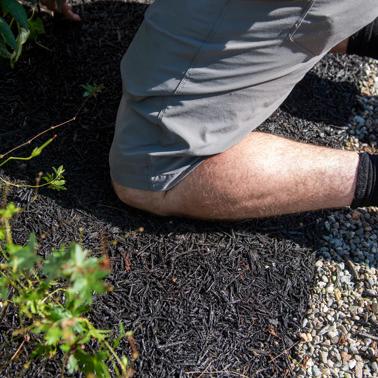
374	308
316	371
343	329
374	366
352	364
319	264
310	363
359	369
356	215
359	121
345	367
335	340
333	332
306	337
345	357
337	293
323	330
324	357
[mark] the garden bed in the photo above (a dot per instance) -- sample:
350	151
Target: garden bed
202	298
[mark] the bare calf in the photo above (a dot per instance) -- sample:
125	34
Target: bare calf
262	176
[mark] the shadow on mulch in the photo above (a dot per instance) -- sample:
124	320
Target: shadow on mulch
200	296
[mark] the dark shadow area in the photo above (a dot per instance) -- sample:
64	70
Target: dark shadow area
332	102
199	295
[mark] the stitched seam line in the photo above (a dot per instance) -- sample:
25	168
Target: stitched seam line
207	39
298	24
195	56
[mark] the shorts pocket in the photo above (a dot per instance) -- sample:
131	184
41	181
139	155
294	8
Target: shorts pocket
312	32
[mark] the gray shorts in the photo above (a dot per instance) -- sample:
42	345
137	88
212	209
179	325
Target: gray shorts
201	74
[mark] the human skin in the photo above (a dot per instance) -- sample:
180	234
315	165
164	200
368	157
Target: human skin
262	176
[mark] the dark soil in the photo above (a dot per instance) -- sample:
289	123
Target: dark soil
201	297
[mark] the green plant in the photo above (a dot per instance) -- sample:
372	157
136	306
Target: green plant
51	298
53	180
56	179
16	28
92	90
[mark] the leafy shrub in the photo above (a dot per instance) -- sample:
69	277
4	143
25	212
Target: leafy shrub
51	298
16	28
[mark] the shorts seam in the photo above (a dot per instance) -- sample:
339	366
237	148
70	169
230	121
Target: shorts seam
195	56
207	39
294	30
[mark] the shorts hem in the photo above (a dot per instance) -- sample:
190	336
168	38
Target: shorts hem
158	183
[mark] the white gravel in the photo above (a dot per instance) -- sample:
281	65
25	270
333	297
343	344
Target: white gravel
339	335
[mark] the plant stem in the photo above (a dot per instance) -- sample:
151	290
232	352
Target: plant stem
8	232
111	350
2	156
25	185
52	293
54	127
4	312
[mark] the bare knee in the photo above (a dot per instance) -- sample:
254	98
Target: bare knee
153	202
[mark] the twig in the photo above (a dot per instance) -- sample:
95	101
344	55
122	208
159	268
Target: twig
275	358
2	156
54	127
17	352
205	371
349	264
284	352
228	372
367	336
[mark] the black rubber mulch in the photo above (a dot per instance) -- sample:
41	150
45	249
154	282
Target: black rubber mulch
218	298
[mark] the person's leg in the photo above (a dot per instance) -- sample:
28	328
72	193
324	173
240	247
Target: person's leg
163	131
262	176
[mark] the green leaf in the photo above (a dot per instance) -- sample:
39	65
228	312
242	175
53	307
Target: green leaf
65	348
41	350
121	335
36	28
92	90
21	258
55	180
7	34
93	364
99	334
4	292
72	365
53	264
53	335
125	362
21	39
16	10
9	211
38	150
58	313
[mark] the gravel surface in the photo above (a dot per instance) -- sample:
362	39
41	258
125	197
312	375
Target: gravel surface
339	333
